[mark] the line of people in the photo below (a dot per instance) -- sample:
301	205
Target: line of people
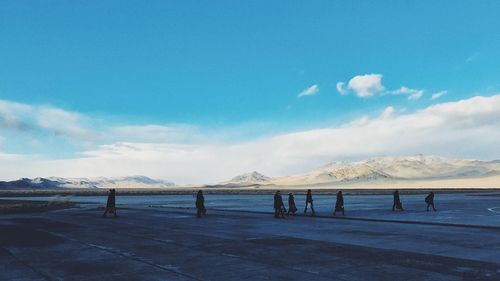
280	209
397	205
279	206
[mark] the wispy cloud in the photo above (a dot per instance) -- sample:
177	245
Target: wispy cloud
416	95
369	85
472	57
310	91
341	89
53	120
413	94
388	112
438	94
154	133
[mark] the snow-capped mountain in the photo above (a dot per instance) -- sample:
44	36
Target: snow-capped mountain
409	168
115	182
382	170
430	167
130	182
253	177
336	172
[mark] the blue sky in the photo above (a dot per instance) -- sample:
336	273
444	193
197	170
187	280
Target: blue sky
224	73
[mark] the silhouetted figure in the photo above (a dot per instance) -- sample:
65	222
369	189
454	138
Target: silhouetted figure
429	199
200	204
309	200
339	204
397	202
279	208
291	204
111	204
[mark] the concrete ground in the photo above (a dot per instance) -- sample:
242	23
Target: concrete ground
148	243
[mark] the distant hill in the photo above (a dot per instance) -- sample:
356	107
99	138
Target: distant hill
115	182
253	177
383	170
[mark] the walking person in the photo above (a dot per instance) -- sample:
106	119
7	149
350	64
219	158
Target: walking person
309	200
200	204
339	204
429	199
291	204
279	208
397	202
111	203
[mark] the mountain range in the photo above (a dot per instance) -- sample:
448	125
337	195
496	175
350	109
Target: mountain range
384	172
101	182
406	170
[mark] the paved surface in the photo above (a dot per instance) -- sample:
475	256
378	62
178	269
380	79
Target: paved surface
477	208
171	244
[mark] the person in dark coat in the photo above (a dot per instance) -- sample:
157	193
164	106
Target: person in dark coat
339	204
200	204
279	208
111	204
397	202
429	199
291	204
309	200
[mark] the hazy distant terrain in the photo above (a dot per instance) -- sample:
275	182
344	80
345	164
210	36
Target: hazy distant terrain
404	171
117	182
418	171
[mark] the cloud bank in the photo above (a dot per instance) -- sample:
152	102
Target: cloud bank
468	128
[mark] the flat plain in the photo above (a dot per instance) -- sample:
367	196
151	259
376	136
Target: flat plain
167	242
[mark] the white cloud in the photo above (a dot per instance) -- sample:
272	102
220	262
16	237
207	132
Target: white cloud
154	133
441	129
413	94
438	94
340	88
24	117
388	112
62	122
403	91
416	95
311	91
369	85
366	85
11	115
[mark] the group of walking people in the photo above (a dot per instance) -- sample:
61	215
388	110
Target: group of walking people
397	205
279	206
280	209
